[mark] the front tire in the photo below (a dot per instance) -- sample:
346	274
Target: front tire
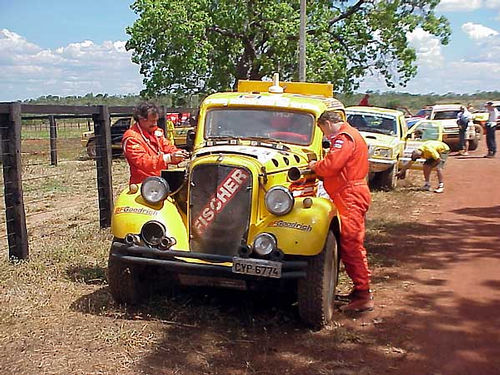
385	180
125	281
317	290
388	178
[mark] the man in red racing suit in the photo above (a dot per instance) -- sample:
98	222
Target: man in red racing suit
344	171
146	149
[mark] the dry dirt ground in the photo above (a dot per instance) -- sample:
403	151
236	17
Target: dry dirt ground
436	265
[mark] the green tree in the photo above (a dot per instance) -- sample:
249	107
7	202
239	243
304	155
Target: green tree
196	46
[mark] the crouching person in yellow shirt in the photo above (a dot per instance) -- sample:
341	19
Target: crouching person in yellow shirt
435	154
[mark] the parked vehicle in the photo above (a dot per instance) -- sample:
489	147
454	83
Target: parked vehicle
245	212
385	132
180	125
424	130
481	117
119	127
447	115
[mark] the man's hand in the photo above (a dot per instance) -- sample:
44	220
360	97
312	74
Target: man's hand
401	174
312	164
178	156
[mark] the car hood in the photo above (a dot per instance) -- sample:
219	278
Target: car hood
269	157
380	139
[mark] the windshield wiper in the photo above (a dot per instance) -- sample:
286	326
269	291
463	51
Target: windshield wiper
268	142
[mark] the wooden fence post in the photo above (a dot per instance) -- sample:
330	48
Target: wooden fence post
102	131
53	140
10	130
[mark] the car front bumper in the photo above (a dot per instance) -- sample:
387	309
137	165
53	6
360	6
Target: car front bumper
176	261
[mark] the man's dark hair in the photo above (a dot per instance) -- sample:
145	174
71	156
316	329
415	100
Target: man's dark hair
330	116
143	109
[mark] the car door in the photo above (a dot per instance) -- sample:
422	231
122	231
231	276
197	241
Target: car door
422	131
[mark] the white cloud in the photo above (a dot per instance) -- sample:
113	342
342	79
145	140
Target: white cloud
29	71
427	47
461	5
492	4
477	32
469	73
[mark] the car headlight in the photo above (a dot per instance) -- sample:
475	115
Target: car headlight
155	189
382	152
279	200
264	244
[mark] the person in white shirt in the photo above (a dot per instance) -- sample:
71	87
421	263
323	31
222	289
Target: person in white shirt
490	130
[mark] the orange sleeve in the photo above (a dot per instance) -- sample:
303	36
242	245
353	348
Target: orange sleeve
336	158
137	156
167	147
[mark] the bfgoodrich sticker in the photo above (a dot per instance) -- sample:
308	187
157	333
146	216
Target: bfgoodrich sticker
135	210
290	225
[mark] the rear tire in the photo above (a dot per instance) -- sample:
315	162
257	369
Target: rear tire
317	290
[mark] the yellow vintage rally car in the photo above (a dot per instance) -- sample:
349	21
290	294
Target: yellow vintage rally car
384	130
245	212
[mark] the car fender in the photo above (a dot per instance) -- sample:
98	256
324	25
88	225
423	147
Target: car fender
303	231
131	212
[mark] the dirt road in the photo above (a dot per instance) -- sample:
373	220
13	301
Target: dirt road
443	313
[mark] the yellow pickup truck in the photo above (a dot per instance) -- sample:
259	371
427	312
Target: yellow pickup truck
384	130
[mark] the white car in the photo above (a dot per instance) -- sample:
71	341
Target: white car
447	114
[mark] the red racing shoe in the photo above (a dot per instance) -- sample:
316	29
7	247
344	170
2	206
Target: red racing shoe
360	300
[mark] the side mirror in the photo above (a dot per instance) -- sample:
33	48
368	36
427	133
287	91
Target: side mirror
191	134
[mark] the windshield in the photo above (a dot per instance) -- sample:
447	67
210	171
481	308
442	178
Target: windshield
426	131
273	125
373	122
445	115
423	113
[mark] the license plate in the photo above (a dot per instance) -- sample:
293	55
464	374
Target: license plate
257	267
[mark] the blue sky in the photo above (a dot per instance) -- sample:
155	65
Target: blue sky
70	47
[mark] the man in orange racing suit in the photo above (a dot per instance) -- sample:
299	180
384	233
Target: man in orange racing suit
147	151
344	171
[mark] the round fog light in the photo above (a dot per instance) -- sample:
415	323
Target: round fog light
152	232
264	244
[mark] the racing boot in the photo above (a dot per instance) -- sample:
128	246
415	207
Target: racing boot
361	300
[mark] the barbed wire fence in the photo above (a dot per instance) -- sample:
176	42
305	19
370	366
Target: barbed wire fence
51	174
48	181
